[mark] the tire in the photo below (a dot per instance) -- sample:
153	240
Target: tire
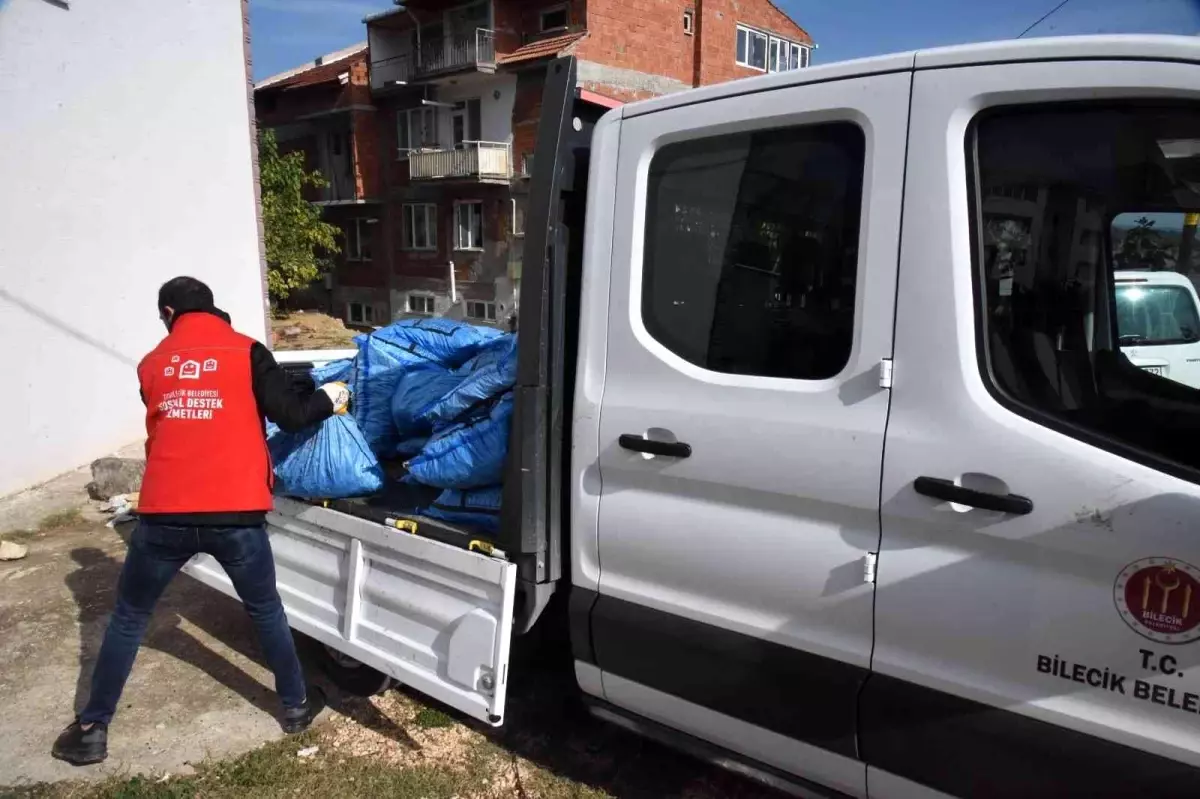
350	676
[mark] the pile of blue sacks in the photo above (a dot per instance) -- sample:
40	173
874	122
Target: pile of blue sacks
434	393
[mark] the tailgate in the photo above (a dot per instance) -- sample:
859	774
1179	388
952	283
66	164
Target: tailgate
433	616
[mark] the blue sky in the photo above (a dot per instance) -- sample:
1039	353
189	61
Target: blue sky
286	33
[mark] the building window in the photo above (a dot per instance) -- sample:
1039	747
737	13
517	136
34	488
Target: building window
420	303
478	309
518	216
420	226
358	239
358	313
416	129
527	165
751	250
751	48
689	22
468	225
555	18
1099	343
784	56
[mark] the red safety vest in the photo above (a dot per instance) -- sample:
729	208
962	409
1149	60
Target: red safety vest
205	448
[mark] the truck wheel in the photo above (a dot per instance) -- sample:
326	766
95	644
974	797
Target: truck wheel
351	676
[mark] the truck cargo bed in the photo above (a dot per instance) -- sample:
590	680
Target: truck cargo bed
399	500
437	617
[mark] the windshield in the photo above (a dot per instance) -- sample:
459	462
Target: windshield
1148	315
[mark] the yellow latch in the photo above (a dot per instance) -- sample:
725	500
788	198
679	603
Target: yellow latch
486	548
403	525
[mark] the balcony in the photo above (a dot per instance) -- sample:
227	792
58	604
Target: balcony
484	161
437	56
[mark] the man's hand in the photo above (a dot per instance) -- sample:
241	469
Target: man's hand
339	395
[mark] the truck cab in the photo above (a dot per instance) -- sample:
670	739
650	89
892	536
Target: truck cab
1158	321
841	434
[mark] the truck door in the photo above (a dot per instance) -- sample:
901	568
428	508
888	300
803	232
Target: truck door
1038	596
741	431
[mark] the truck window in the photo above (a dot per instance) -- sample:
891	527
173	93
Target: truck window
1150	315
751	250
1078	301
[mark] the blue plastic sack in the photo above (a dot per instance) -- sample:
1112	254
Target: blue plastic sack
485	376
327	461
479	508
408	447
333	372
385	354
446	341
469	454
418	388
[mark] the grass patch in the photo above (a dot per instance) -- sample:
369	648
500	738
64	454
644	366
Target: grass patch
432	718
19	536
61	519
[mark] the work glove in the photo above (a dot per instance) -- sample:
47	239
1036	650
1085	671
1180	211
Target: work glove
338	395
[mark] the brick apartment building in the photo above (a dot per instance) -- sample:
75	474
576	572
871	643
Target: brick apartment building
427	133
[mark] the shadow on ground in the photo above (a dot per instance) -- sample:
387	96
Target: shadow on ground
93	586
546	722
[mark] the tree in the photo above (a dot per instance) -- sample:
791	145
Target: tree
298	242
1145	248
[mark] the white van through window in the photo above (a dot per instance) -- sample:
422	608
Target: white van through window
1100	342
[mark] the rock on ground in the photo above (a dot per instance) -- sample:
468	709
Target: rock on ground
25	510
112	476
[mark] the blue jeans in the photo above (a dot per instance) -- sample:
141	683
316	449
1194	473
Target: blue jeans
156	554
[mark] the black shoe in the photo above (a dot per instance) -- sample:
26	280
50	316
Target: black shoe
81	747
298	719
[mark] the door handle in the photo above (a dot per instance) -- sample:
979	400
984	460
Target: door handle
939	488
671	449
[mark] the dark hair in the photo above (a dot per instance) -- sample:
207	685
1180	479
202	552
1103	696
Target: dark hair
184	294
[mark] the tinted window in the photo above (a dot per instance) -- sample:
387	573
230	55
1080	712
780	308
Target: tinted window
1085	247
752	250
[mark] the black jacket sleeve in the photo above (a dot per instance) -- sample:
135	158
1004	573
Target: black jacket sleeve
280	399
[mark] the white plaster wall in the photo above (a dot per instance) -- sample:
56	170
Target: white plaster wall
496	94
125	159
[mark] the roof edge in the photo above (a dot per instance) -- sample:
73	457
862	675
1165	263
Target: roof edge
812	42
328	58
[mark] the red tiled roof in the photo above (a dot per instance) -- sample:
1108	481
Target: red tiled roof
602	100
542	48
325	73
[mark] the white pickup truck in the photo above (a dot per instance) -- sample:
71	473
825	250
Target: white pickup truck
825	435
1158	320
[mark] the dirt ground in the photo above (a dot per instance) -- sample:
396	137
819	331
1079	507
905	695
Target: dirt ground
197	689
310	330
197	718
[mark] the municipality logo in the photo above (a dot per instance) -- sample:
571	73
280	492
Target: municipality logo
1159	598
189	370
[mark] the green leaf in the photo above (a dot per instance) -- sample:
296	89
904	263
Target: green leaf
298	242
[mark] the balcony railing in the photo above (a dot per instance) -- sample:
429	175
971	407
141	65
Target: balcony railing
481	160
472	50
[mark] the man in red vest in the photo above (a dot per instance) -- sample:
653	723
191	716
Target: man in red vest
207	489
